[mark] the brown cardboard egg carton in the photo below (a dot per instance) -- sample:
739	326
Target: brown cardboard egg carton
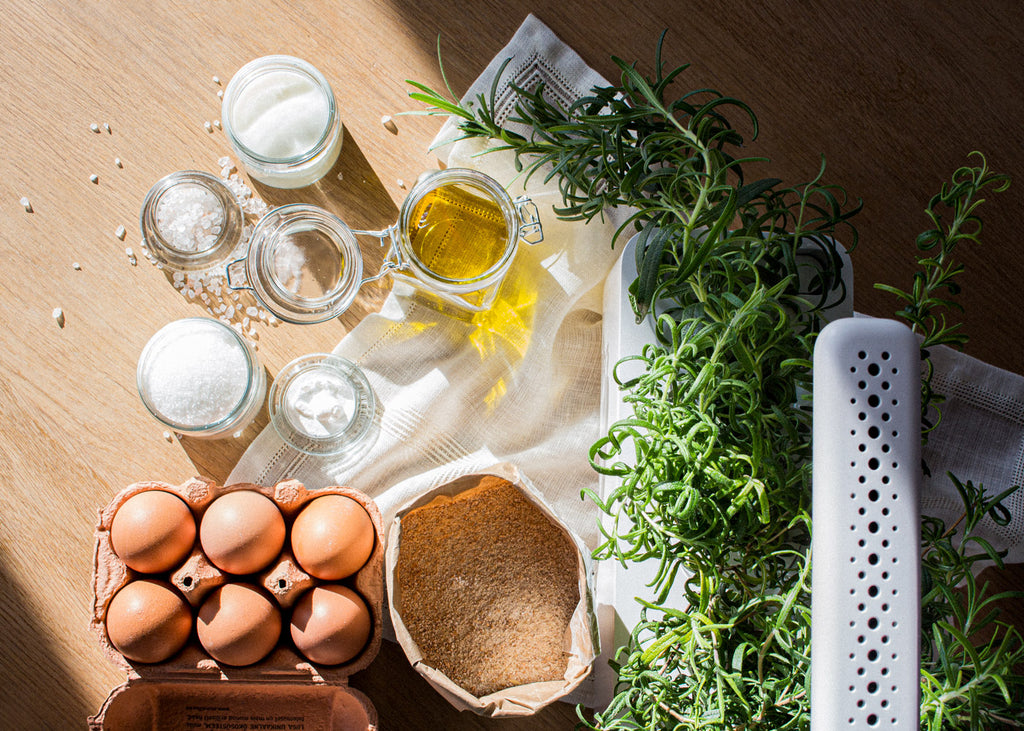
192	689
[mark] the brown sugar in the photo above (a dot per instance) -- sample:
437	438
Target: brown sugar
488	585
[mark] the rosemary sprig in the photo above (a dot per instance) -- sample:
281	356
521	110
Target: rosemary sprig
714	462
952	212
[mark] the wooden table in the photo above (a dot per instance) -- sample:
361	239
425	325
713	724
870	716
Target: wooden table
894	94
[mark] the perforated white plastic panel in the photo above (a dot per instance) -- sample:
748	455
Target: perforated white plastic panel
865	599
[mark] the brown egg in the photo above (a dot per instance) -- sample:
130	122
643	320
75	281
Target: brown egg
330	624
238	624
332	537
242	532
148	621
153	531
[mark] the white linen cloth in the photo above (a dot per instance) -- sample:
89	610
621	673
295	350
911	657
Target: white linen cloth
980	438
519	383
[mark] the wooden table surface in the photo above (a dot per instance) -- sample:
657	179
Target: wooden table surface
894	94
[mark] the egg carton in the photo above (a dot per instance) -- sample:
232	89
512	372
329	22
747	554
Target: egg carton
192	689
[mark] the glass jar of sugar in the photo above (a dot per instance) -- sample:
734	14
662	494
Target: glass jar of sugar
322	404
199	377
191	221
281	118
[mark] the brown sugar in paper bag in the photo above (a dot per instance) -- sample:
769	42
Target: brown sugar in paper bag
489	595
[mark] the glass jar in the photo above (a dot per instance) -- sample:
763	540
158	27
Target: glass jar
280	115
303	264
199	377
456	236
191	221
457	233
321	404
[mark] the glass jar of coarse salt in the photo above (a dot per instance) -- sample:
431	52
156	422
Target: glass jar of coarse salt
280	115
191	221
199	377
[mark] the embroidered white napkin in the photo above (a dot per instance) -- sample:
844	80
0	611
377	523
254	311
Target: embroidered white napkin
519	383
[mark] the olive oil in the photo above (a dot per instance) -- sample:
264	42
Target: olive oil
456	234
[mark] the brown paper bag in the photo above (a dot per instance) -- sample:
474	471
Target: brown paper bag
579	640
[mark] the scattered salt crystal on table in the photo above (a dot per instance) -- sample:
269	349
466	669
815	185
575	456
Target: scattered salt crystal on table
216	80
118	163
58	316
76	266
216	123
106	126
208	126
26	204
120	233
167	435
389	124
401	184
94	178
220	94
131	256
94	127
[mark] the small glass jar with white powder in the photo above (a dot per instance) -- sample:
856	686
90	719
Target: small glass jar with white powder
280	115
322	404
199	377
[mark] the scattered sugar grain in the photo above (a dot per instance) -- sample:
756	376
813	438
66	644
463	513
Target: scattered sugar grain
118	163
216	80
167	436
94	127
106	126
208	126
120	233
401	184
389	124
220	93
76	266
94	178
58	316
216	123
26	204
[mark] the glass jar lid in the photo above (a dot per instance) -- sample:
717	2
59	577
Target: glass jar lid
304	264
191	221
322	404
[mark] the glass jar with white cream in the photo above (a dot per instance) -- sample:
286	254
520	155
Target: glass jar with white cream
199	377
281	118
322	404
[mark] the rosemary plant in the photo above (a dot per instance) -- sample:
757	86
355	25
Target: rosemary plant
714	463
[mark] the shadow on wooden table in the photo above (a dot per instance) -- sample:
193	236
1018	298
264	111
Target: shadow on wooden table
38	685
404	700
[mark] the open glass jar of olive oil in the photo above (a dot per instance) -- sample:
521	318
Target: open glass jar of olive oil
456	236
